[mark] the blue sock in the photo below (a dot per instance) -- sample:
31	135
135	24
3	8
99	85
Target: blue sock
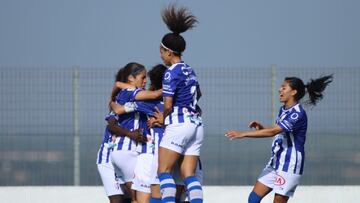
254	198
167	187
194	189
155	200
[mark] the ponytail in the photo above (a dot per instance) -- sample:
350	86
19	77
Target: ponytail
178	20
316	87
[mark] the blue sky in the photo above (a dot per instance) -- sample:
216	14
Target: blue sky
94	33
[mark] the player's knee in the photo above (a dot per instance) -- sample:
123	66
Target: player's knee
254	198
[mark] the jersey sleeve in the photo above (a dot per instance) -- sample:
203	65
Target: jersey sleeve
170	82
290	121
135	92
111	115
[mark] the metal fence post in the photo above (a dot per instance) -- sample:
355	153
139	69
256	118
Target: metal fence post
76	77
273	92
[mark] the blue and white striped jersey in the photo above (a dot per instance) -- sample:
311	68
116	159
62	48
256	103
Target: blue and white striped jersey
156	133
181	84
288	152
129	121
107	145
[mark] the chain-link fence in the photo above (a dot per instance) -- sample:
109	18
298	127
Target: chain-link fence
52	123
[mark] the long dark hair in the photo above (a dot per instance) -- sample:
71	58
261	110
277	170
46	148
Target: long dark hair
156	75
129	69
178	20
314	88
123	74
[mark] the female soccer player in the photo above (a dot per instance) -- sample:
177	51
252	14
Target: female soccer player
183	131
283	172
143	169
124	156
112	184
145	173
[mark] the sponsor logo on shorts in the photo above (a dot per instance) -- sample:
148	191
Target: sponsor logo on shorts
279	180
145	186
176	144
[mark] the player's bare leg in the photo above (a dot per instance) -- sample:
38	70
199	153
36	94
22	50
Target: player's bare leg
131	192
167	159
155	191
116	199
142	197
261	189
188	166
280	198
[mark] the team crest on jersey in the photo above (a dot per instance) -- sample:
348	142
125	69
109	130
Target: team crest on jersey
167	76
294	116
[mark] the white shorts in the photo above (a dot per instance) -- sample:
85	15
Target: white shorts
110	181
142	172
281	182
183	138
124	164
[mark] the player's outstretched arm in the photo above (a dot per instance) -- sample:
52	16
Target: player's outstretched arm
265	132
123	85
148	95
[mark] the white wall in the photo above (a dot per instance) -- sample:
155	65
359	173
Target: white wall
213	194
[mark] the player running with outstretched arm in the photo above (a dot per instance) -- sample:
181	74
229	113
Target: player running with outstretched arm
285	168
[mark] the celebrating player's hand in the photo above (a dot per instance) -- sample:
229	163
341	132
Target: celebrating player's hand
152	122
232	134
255	124
159	118
137	136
